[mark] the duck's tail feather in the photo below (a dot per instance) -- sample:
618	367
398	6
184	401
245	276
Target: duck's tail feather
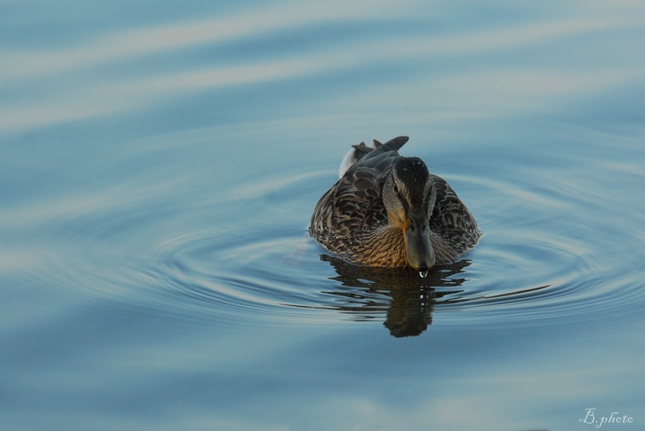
361	150
395	144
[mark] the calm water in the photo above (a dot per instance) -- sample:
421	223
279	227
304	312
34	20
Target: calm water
159	168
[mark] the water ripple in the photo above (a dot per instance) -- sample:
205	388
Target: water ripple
516	275
241	273
547	266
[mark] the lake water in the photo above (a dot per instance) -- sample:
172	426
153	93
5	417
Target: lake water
160	162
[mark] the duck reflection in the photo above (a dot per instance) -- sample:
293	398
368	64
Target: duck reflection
406	299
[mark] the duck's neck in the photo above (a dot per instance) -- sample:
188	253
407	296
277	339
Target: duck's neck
384	247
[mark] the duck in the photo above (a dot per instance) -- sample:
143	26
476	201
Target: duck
389	211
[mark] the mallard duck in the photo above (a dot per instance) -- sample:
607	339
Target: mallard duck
387	210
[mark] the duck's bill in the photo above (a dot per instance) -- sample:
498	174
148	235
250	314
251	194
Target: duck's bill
418	246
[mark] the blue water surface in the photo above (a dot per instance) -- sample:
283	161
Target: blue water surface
160	163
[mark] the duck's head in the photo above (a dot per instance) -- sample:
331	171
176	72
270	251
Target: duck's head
409	196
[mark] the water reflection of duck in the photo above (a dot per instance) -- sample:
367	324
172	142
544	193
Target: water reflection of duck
397	294
389	211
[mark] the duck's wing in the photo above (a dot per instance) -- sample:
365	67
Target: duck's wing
451	223
357	195
354	202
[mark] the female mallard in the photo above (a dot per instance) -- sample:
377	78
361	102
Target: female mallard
387	210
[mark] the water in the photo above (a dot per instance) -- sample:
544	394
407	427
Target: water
160	165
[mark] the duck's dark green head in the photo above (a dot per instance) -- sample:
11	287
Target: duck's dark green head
409	197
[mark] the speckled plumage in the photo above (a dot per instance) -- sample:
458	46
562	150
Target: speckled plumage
352	222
